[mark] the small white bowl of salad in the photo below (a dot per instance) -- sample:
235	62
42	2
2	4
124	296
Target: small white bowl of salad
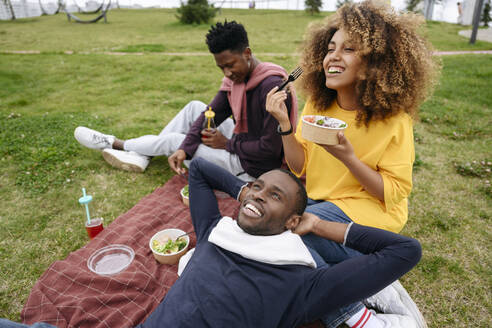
322	129
185	195
167	247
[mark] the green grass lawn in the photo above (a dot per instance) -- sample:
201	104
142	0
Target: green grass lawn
42	168
157	30
444	37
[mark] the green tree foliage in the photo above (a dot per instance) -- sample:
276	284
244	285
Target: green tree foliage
313	6
196	12
412	5
486	14
342	2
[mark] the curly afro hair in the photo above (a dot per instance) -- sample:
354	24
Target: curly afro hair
398	71
228	36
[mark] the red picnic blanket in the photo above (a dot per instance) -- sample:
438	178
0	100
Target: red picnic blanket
68	294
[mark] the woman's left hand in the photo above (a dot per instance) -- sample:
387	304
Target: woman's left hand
343	151
369	178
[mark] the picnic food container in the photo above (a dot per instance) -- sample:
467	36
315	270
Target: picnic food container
326	134
172	258
184	195
111	259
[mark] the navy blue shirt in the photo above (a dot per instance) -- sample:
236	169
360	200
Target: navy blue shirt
219	288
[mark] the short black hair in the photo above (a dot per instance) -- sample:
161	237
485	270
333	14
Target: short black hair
301	192
227	36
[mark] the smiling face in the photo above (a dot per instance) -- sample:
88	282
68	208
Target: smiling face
234	64
341	64
269	207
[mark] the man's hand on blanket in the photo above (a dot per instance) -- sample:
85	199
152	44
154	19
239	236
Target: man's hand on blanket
176	161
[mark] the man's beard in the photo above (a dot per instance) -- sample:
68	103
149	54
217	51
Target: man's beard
258	230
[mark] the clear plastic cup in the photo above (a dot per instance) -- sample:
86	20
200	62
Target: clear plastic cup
95	227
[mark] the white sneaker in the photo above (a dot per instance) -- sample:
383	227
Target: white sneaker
396	320
394	299
93	139
126	160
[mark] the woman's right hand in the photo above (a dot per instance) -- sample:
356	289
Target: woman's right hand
275	105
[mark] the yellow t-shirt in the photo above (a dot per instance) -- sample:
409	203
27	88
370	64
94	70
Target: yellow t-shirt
385	146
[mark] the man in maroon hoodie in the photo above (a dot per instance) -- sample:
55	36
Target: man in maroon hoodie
247	145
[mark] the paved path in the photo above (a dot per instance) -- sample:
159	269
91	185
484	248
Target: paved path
464	52
70	52
484	34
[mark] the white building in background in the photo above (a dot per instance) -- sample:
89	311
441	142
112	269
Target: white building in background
446	10
468	9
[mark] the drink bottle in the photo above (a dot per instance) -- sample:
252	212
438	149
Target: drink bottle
209	122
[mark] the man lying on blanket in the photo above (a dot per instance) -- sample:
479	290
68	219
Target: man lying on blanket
254	272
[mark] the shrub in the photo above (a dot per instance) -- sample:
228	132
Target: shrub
414	5
342	2
196	12
313	6
486	14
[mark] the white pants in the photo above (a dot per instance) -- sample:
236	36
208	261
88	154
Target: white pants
171	137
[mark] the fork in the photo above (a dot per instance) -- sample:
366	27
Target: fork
186	233
292	77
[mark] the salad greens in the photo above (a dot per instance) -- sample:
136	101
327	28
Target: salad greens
169	247
325	121
185	191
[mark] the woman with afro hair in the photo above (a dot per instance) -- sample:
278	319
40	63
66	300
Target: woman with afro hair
368	66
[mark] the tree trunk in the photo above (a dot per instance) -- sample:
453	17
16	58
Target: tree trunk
476	20
9	5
